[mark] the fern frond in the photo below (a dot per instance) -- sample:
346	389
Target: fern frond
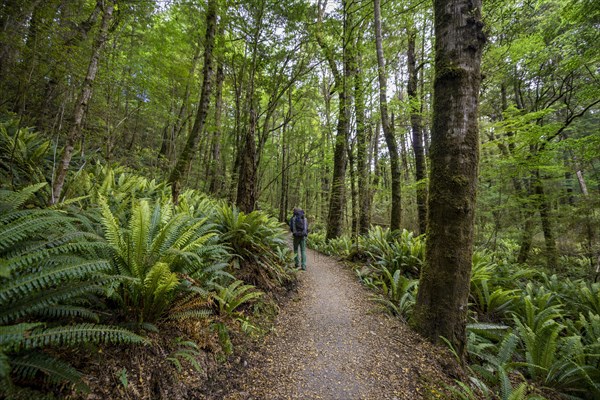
27	366
11	335
29	255
190	314
50	276
35	302
58	312
30	225
78	334
112	229
10	201
139	226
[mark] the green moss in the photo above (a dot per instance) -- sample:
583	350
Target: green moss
449	71
460	180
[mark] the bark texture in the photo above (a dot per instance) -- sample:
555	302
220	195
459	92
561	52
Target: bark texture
338	181
216	168
362	141
185	158
441	306
81	106
387	127
417	132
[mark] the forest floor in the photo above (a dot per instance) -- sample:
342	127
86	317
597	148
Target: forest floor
330	342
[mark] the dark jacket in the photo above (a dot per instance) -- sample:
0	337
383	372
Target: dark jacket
299	224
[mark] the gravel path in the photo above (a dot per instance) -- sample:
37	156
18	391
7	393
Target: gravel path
330	343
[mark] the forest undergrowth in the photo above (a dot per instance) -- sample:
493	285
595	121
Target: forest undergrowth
118	293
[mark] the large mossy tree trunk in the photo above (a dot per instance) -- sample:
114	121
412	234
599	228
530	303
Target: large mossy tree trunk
546	220
188	152
246	190
388	129
442	299
246	199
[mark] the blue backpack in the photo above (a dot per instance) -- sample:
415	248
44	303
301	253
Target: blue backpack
298	225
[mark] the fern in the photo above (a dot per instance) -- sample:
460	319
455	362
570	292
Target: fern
258	241
25	367
155	250
10	200
49	275
35	302
61	312
187	351
76	334
589	294
233	296
51	267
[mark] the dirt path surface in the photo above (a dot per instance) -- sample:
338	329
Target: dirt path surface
330	343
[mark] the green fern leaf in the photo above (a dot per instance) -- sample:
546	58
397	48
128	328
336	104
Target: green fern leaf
56	371
34	302
78	334
50	276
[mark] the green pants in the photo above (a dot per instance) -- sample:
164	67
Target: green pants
300	241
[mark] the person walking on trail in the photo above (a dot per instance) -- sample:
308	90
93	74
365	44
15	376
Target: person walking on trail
299	228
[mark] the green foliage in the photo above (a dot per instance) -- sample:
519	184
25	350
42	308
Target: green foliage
49	268
229	298
23	154
398	292
263	257
186	351
156	252
396	251
489	301
589	297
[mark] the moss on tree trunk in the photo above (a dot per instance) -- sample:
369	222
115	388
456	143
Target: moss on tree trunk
441	307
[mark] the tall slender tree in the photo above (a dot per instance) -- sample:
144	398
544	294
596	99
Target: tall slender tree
417	129
337	198
191	145
81	105
387	126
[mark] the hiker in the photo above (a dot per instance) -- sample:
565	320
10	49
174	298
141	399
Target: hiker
299	228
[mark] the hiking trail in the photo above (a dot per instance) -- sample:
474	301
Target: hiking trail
330	342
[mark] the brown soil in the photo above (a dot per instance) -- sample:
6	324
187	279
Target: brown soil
329	342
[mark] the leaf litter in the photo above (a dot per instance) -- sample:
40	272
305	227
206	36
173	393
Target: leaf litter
330	342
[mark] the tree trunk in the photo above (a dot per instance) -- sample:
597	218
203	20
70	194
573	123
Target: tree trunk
362	172
353	193
337	198
376	167
246	193
388	131
526	237
284	177
85	95
338	181
216	170
442	300
185	158
544	209
417	133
